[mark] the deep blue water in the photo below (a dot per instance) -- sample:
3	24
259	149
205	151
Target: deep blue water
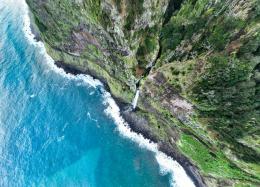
53	129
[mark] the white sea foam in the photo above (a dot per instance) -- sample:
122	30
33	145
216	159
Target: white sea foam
167	165
32	95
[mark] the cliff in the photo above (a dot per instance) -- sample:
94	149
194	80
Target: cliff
196	63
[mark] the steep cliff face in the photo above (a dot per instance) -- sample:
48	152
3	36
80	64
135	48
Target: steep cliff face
198	63
107	36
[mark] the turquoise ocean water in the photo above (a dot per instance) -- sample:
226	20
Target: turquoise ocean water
62	130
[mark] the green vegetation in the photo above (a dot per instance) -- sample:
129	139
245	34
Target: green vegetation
147	51
135	9
211	162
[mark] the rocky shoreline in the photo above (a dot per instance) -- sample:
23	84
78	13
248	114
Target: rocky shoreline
140	125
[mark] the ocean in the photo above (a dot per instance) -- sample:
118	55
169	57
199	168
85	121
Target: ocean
58	129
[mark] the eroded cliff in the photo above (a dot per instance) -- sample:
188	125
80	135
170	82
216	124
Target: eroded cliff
198	66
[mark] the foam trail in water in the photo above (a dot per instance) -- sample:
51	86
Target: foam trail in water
167	165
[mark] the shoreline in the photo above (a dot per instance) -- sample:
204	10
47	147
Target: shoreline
136	125
135	122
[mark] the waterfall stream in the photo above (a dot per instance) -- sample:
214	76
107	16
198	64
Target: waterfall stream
135	100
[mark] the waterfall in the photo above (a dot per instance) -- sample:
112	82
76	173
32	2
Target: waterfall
134	102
